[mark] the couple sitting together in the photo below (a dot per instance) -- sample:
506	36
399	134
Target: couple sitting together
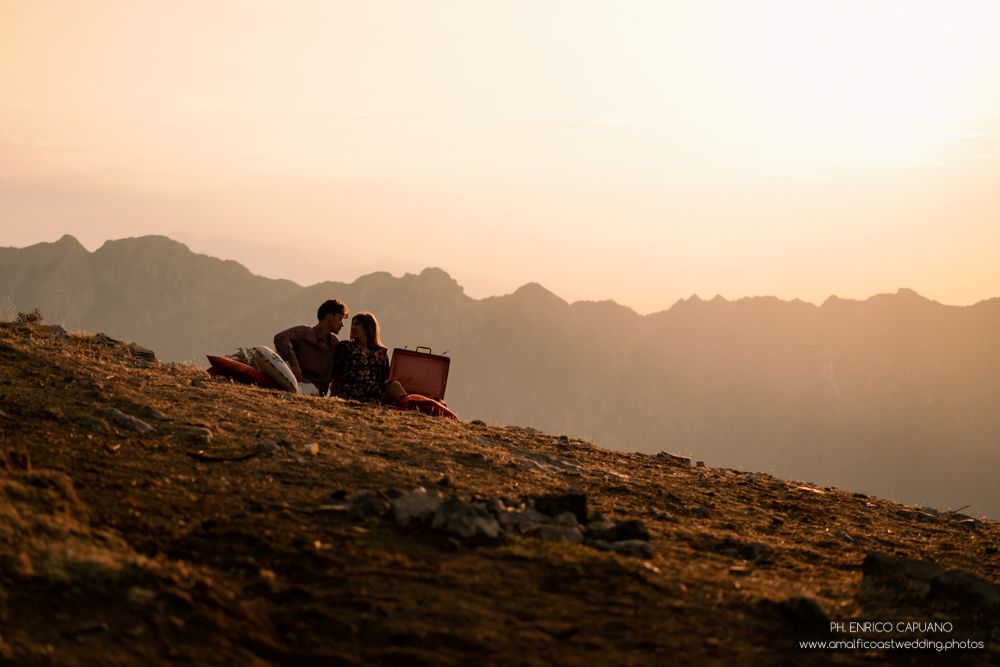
357	369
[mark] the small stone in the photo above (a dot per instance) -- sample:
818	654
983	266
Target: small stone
801	608
674	459
88	422
369	503
462	520
199	382
142	353
127	420
699	464
104	339
567	519
634	548
555	504
740	570
496	506
58	332
478	422
967	589
601	528
564	439
885	569
416	505
137	381
758	552
555	533
159	416
267	446
202	435
631	530
312	449
522	522
139	597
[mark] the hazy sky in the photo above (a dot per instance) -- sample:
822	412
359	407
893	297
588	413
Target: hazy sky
635	151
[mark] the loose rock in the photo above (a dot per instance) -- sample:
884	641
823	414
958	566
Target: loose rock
634	548
966	589
267	446
758	552
555	533
496	506
631	530
803	609
416	505
522	522
883	569
674	458
368	503
127	420
462	520
140	597
555	504
202	435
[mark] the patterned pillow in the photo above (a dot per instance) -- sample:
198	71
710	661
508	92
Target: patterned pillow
275	368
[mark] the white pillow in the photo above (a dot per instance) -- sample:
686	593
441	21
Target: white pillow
274	367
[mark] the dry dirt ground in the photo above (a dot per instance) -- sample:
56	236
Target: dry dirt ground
126	548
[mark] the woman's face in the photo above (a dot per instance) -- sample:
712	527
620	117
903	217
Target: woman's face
358	333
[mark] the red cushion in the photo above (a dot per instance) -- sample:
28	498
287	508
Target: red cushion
427	405
239	372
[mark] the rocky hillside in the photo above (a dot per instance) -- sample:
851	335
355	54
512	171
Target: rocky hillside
897	395
150	515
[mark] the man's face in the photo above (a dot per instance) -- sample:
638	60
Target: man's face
337	321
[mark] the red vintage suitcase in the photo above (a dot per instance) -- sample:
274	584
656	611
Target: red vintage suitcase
420	372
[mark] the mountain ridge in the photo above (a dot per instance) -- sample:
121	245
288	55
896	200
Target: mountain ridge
896	394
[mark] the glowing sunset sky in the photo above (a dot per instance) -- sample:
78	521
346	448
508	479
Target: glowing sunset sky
635	151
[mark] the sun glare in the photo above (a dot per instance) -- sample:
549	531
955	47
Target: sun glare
869	68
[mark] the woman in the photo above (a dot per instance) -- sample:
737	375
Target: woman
363	365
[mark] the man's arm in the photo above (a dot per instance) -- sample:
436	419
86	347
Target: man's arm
283	346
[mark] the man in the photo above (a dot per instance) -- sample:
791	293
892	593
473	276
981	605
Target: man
310	351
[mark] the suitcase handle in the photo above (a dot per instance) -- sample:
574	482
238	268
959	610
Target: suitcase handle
423	347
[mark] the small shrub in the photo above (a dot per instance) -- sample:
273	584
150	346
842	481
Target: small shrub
244	356
34	317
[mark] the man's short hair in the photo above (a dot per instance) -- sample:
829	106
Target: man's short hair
330	307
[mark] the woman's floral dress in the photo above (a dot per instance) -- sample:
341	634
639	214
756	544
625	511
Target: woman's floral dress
364	376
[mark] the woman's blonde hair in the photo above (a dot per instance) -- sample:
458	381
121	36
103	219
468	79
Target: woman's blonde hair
370	325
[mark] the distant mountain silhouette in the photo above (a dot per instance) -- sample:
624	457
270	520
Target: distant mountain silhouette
896	395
